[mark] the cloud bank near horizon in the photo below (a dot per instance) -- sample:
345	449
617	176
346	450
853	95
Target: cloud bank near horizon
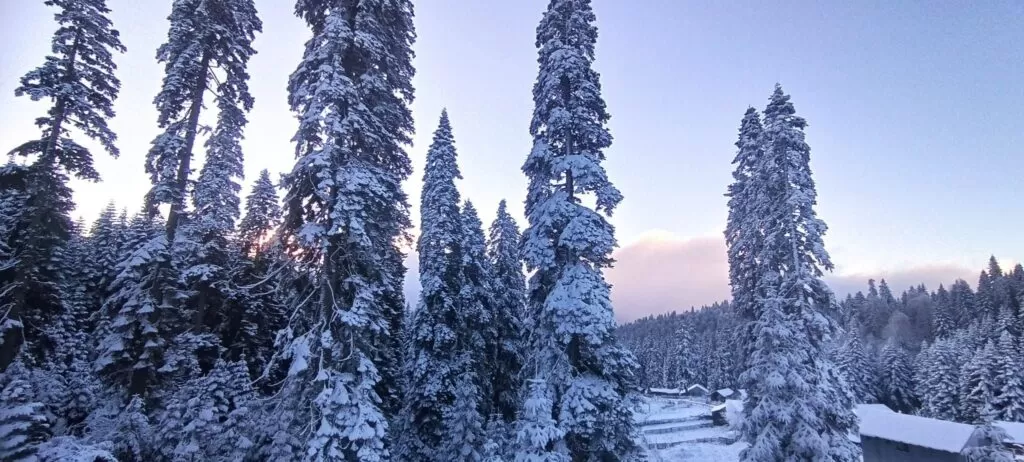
661	272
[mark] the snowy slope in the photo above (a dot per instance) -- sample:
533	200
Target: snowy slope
681	429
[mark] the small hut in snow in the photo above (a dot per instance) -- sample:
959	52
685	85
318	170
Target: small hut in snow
719	396
665	392
696	391
887	436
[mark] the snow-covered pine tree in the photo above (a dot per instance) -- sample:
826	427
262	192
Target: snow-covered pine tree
131	432
215	197
498	439
262	216
254	315
390	353
69	330
977	384
344	211
463	435
853	364
1008	399
962	302
132	346
120	327
65	382
22	422
209	417
71	449
538	437
105	247
742	236
897	378
944	318
568	244
938	384
203	35
140	229
440	329
741	233
38	229
797	407
985	299
509	291
990	445
77	79
885	293
476	300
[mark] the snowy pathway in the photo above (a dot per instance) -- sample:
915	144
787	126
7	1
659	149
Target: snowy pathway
675	430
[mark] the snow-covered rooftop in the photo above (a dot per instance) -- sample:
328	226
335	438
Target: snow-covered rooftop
697	387
666	391
870	408
1014	430
940	435
725	392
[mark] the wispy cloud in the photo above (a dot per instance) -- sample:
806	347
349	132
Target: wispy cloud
931	275
661	272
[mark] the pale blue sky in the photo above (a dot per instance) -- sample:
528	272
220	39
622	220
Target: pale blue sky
915	111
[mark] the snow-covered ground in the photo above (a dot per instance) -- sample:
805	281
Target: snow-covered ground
681	430
701	452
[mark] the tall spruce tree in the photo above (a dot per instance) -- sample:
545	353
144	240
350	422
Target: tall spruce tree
132	347
538	436
856	370
938	384
23	423
897	383
440	329
985	297
203	35
742	236
1008	387
568	244
215	196
962	300
344	211
741	233
796	406
463	435
506	328
262	217
78	81
105	251
254	313
944	318
390	354
477	303
977	387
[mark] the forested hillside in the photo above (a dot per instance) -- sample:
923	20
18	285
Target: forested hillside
952	353
266	319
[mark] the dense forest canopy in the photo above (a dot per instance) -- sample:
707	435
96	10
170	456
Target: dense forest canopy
205	327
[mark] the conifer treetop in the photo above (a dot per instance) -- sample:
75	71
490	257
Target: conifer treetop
78	79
